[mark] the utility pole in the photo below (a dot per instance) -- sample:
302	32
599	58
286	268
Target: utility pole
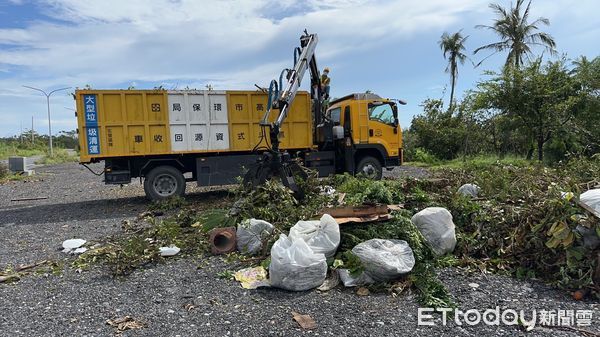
48	104
32	140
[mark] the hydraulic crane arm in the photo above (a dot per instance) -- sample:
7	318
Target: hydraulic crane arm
275	162
304	59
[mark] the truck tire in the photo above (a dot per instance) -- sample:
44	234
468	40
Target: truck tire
163	182
370	167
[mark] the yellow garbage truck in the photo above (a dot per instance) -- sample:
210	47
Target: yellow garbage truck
212	137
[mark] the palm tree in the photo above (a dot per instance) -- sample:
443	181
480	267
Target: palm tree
453	47
517	34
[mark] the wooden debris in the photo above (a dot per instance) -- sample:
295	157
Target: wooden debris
9	278
305	321
32	265
124	323
364	213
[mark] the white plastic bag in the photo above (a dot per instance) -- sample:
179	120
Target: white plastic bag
435	223
385	260
322	236
591	198
469	190
294	266
251	234
354	281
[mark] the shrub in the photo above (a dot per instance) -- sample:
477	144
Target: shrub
3	171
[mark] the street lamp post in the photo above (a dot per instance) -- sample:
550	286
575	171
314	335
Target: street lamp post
48	104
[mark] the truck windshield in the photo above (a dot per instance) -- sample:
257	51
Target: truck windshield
334	115
382	113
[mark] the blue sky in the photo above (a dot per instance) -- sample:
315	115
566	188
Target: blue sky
389	47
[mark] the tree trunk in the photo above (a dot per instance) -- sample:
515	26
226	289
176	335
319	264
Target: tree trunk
531	150
452	92
540	142
540	147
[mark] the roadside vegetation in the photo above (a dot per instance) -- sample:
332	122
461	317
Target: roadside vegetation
26	145
537	106
59	156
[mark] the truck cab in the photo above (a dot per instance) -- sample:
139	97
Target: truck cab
364	134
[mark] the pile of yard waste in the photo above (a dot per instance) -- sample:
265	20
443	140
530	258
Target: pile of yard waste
526	220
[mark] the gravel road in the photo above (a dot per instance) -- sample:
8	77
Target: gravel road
185	297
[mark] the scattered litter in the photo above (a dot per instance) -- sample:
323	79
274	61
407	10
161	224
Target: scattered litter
435	223
362	291
71	245
305	321
327	190
469	190
222	240
567	195
474	285
79	250
322	236
385	260
332	281
354	281
294	266
169	251
251	234
252	278
124	323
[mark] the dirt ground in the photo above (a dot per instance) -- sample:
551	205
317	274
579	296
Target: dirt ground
186	297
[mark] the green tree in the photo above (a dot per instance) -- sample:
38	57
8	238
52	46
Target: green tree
437	131
517	34
586	124
544	98
453	47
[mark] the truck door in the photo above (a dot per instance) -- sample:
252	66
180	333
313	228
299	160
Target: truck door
383	127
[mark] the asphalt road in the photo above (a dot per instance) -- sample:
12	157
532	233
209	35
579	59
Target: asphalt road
186	297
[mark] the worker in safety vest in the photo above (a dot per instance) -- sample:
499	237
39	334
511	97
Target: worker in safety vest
325	80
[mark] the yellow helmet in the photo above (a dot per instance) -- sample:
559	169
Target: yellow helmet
326	69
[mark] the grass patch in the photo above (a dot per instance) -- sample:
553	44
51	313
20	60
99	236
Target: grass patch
18	149
60	156
480	161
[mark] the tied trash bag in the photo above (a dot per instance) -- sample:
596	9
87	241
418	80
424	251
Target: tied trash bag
322	236
383	260
251	234
469	190
294	266
435	223
591	198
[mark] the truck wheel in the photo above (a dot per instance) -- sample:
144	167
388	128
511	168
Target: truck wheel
370	167
163	182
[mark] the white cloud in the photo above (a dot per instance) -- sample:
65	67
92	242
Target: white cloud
229	43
